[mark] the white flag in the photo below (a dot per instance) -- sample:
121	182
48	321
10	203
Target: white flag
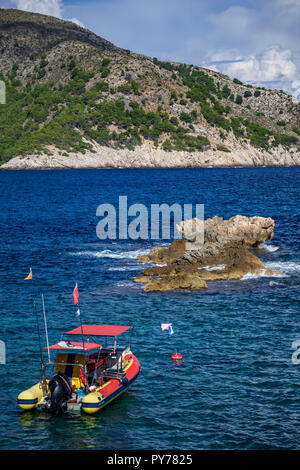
167	326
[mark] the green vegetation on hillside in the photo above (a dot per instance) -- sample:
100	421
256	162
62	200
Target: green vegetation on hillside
69	117
88	104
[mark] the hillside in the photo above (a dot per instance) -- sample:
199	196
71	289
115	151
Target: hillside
76	100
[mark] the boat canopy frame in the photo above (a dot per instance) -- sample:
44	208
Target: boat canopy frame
102	330
99	330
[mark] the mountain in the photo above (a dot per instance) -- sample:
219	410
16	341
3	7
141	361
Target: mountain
74	99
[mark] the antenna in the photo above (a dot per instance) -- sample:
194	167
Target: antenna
46	328
39	333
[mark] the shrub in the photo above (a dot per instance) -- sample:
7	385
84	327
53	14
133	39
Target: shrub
163	65
72	64
135	87
285	140
167	145
102	86
226	91
173	96
186	117
239	99
104	72
296	130
105	62
237	81
125	88
41	73
174	121
222	148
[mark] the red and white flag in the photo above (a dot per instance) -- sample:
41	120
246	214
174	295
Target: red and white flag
167	326
76	295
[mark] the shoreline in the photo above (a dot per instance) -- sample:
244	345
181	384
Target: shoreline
147	168
147	157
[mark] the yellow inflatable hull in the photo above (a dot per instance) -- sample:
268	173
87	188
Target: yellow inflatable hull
31	398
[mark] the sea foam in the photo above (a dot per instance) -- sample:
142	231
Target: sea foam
288	267
268	247
262	273
111	254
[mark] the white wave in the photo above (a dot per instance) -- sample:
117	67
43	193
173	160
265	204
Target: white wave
269	247
262	273
125	284
111	254
220	267
125	268
274	283
288	267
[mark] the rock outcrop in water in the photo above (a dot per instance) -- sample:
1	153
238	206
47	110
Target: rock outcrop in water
225	254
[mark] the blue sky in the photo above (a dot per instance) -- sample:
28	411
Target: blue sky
255	41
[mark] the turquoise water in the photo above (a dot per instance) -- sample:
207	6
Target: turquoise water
236	387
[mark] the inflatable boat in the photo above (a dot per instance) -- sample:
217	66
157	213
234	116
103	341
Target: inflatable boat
86	375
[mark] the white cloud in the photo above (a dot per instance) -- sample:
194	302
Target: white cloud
273	64
45	7
288	6
296	88
76	21
234	20
273	68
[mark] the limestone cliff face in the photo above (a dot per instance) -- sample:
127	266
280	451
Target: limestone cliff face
148	157
225	254
85	103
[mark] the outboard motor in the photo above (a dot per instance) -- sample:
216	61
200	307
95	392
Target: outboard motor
60	393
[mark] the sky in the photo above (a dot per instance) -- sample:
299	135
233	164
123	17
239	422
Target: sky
256	41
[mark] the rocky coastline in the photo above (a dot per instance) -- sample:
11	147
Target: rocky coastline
146	156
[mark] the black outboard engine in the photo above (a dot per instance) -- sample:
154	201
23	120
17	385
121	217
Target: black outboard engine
60	393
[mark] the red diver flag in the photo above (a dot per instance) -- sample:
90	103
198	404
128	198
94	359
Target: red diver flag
76	295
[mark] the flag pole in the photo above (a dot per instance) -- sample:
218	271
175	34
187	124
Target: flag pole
46	328
82	335
79	315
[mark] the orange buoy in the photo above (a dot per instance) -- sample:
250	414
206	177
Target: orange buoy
177	356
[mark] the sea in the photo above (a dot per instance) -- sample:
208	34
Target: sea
238	385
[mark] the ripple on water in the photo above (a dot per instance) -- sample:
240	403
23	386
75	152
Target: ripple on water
236	387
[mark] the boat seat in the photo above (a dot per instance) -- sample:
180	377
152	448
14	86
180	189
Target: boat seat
66	363
92	364
114	374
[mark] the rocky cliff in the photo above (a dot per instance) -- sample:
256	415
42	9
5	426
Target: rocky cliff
76	100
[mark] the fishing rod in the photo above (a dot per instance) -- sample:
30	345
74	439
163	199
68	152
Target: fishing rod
39	333
46	328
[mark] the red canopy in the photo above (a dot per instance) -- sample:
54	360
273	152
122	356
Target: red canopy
99	330
69	345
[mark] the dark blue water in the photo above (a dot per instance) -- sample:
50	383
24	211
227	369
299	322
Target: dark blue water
236	388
